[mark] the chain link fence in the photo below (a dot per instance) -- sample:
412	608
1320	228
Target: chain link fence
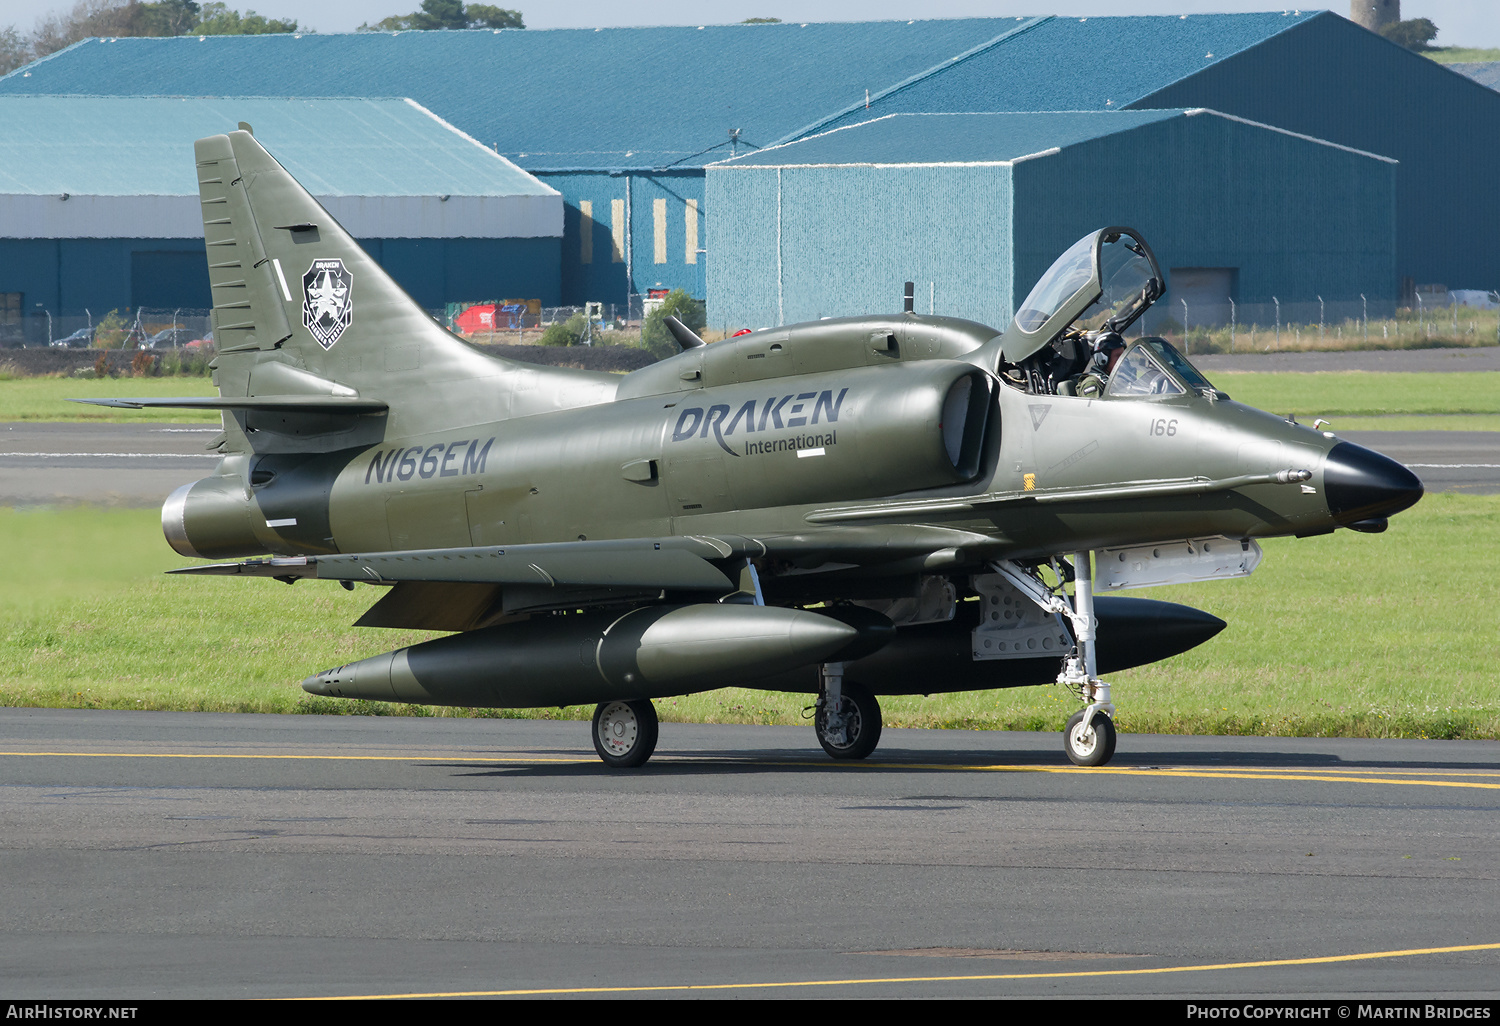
142	328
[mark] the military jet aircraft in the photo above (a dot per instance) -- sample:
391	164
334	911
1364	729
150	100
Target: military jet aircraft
849	508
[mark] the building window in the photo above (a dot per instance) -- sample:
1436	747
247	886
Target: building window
617	230
585	232
10	307
691	256
659	226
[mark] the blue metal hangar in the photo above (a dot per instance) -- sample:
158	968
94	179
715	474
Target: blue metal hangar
99	201
980	205
623	121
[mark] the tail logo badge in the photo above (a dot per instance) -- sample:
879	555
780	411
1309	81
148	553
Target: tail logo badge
327	306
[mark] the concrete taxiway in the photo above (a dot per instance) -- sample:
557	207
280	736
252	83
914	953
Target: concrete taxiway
183	855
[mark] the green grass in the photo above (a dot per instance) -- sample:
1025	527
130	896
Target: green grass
1364	393
1430	422
46	399
1461	54
1343	635
1329	393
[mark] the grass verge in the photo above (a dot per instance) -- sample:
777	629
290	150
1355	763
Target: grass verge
1364	393
1321	393
1345	635
46	399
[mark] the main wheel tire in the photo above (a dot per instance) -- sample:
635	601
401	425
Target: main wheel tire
862	732
1091	744
625	733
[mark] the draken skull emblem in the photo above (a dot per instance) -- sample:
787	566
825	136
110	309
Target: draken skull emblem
327	306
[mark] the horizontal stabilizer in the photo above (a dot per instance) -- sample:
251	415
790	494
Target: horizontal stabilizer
272	403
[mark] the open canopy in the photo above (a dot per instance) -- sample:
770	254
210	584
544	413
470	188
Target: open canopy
1106	279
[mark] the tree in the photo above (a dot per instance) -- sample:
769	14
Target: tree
219	20
108	18
1414	34
436	15
761	21
486	16
164	18
655	338
14	50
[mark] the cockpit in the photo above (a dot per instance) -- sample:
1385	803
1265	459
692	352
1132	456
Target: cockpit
1067	338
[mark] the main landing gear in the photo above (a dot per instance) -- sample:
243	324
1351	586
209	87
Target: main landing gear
847	717
625	733
1089	737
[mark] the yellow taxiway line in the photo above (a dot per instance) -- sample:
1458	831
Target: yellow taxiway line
700	987
1413	778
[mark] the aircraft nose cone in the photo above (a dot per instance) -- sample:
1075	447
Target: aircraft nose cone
1361	484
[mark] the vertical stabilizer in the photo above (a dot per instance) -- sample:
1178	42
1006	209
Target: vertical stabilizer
301	309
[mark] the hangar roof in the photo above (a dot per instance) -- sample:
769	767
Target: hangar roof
122	167
562	99
143	145
906	140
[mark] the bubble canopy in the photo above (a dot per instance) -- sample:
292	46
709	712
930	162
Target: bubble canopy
1106	279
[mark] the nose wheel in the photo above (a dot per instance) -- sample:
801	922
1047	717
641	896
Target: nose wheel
625	733
1089	741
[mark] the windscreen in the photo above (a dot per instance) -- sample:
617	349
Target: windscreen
1144	371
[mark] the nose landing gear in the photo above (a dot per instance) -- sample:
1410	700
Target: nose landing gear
1089	737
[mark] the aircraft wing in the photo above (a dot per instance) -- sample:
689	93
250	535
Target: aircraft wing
460	589
692	562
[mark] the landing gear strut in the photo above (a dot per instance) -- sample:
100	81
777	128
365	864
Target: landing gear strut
625	733
847	719
1089	737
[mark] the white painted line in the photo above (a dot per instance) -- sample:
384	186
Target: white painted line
285	292
801	453
113	455
1456	466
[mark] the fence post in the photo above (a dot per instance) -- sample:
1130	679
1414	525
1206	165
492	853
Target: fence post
1231	325
1278	321
1320	320
1186	345
1365	306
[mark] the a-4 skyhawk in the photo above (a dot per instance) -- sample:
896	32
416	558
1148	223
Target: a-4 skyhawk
849	508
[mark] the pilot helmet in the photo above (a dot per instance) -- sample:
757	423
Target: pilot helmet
1107	350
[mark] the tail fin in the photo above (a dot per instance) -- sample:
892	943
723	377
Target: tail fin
301	309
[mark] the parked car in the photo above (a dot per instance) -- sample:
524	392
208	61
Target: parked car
168	338
80	339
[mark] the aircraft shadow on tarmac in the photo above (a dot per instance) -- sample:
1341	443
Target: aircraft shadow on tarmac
699	762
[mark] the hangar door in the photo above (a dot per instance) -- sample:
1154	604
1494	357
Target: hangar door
1205	291
170	280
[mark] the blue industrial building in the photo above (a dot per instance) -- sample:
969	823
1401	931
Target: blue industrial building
623	121
975	207
99	201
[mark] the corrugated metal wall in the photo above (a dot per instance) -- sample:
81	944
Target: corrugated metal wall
1294	218
850	237
67	276
1297	219
595	260
1333	80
